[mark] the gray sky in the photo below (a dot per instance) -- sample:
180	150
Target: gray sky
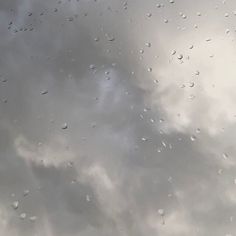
117	118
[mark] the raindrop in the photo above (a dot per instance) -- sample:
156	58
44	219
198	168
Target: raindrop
33	218
44	92
64	126
110	38
191	47
149	69
26	193
166	21
148	44
173	52
191	84
88	198
149	15
199	14
70	19
22	216
92	67
141	51
15	205
225	156
197	72
96	39
226	14
198	130
193	138
180	56
171	1
161	212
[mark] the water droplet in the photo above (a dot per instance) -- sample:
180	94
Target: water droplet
166	21
198	130
26	193
197	72
96	39
191	47
191	84
199	14
44	92
15	205
225	156
110	38
158	5
193	137
88	198
144	139
208	39
70	18
149	15
22	216
226	14
64	126
161	212
141	51
171	1
180	56
92	67
149	69
33	218
148	44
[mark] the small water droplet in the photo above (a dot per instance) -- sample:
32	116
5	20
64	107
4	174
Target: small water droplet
193	137
15	205
22	216
191	84
180	56
225	156
64	126
44	92
26	193
110	37
88	198
33	218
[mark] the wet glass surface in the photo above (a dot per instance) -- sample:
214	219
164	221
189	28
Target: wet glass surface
117	117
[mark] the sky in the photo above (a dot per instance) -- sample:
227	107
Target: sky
117	118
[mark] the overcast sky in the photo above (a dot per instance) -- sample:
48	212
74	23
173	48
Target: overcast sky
117	118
